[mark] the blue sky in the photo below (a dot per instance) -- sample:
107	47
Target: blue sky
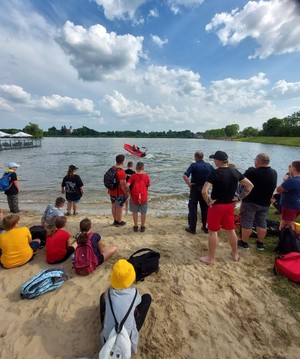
149	65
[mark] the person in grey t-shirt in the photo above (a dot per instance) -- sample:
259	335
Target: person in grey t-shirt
122	294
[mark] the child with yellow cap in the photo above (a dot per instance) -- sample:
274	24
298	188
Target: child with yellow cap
122	294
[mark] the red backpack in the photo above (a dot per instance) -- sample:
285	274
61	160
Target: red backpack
139	191
86	260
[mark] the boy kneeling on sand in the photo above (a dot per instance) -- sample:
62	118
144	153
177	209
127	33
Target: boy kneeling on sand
122	294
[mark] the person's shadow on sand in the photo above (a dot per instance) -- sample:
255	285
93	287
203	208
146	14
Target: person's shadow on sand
73	336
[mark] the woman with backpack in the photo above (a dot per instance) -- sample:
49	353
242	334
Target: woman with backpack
72	186
85	235
59	246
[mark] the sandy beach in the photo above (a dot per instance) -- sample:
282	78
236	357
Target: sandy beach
198	311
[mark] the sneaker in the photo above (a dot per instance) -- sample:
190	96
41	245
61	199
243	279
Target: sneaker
135	228
143	228
243	245
115	223
68	214
122	223
188	229
260	246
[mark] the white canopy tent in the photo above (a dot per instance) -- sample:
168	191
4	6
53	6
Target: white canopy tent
21	134
4	134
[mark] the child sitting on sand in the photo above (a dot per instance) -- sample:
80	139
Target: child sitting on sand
59	246
16	244
101	252
122	295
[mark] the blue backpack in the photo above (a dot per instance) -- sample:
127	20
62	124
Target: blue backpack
45	281
5	182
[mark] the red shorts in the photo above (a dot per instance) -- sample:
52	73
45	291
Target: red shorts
220	215
289	214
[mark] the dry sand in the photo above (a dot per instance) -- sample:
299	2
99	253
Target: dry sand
198	311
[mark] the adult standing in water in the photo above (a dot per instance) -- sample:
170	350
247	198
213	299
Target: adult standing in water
198	172
72	186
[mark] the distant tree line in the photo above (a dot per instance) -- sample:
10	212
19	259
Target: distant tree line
274	127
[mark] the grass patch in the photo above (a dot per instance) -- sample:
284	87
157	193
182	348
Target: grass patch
285	141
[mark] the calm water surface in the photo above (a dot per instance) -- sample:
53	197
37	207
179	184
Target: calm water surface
43	168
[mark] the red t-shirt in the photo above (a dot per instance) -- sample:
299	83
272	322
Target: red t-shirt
120	175
56	245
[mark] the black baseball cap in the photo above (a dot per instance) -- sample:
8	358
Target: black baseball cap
220	156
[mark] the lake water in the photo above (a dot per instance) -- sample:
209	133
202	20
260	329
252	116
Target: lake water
42	168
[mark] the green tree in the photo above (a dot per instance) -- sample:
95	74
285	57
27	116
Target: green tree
33	130
232	130
273	127
250	132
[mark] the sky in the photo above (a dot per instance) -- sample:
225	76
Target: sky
149	65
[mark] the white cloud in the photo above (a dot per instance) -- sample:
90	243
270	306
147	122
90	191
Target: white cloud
274	25
120	9
15	97
153	13
169	82
287	90
96	54
14	93
244	95
158	41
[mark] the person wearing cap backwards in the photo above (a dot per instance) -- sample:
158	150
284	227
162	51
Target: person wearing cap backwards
72	185
122	294
14	188
222	182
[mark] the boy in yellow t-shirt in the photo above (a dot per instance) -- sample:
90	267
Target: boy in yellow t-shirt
16	244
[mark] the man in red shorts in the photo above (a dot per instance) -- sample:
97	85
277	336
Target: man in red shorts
222	182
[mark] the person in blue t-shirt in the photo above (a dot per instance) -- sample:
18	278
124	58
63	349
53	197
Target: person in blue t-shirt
198	171
290	196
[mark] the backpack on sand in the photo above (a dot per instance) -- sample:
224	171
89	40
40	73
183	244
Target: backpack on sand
4	181
45	281
110	178
145	263
139	191
288	265
118	344
85	261
289	241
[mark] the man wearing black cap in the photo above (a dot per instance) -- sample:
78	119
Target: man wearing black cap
197	172
222	183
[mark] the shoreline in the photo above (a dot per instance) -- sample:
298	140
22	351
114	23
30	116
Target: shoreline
224	311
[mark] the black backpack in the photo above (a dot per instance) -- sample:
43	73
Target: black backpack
144	264
289	241
110	178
